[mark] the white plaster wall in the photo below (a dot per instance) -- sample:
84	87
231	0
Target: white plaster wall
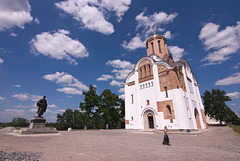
193	95
182	101
180	109
144	94
130	108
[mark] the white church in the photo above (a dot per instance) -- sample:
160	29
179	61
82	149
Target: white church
162	92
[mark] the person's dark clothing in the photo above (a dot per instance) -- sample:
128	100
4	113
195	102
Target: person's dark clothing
166	138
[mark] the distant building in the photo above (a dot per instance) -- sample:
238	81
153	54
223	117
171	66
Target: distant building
212	121
161	92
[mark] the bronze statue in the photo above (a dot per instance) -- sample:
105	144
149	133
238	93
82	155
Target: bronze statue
42	106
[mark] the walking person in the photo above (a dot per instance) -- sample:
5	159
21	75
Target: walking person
166	138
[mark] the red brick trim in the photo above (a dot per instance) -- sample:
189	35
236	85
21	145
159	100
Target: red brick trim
131	83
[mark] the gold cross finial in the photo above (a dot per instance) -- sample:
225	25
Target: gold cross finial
154	31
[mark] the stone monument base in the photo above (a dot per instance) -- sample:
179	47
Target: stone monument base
37	126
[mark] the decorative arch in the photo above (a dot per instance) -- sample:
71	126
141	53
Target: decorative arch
149	108
149	119
163	64
143	59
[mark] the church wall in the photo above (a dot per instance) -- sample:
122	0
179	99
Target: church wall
130	101
200	105
193	96
188	95
181	110
147	93
181	119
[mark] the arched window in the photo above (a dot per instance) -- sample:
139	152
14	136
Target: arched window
169	111
166	91
149	69
148	102
140	72
159	46
152	47
145	71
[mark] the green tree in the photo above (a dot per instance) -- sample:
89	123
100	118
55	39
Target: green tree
90	107
19	122
65	120
97	111
111	108
231	117
214	104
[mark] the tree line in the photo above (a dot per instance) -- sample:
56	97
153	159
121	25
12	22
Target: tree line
215	107
97	111
106	110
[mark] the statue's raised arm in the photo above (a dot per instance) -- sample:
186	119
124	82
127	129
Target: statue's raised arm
42	106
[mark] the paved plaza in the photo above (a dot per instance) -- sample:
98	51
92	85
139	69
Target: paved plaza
216	143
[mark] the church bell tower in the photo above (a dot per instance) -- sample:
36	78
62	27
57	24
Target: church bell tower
157	44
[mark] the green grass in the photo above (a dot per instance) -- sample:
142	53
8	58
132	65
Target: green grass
236	128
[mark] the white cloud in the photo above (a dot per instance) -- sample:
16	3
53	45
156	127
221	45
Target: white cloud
233	104
119	6
13	34
223	43
135	43
2	98
115	83
21	96
120	64
52	106
27	106
1	61
70	84
122	96
121	69
36	98
17	86
33	110
233	79
234	95
70	90
14	111
236	66
176	52
121	90
26	96
92	14
60	110
14	13
154	21
22	106
36	20
146	25
105	77
121	74
168	35
59	46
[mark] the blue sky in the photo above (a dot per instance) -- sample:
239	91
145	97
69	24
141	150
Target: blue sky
58	48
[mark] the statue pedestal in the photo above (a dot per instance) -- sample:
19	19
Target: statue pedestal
37	126
37	122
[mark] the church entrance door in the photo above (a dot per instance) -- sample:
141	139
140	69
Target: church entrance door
197	118
149	120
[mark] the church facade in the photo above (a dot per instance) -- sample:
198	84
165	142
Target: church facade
162	92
